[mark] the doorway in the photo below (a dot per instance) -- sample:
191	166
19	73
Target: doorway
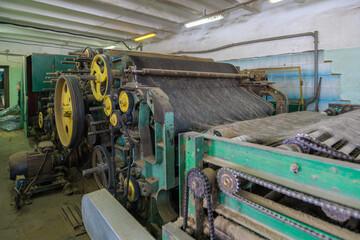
4	87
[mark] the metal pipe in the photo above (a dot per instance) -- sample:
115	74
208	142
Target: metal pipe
91	109
99	122
99	132
95	170
182	73
88	77
76	71
312	34
316	69
84	59
318	96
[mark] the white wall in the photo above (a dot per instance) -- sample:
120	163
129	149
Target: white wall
336	20
23	49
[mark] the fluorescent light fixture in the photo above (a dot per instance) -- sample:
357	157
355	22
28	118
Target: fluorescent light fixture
110	47
204	20
150	35
275	1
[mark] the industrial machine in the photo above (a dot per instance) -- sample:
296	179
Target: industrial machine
189	149
39	87
148	99
295	179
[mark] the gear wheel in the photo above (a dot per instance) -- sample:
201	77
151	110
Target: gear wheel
228	181
196	185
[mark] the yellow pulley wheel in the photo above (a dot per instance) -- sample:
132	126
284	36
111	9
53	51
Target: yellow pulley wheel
108	105
134	189
100	68
69	111
115	118
41	120
126	101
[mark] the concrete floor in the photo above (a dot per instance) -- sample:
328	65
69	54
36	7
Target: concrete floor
40	220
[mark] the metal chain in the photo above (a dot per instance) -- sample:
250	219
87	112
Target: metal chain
205	182
276	216
269	212
339	209
307	142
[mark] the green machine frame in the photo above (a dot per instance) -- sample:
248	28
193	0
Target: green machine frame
329	179
37	65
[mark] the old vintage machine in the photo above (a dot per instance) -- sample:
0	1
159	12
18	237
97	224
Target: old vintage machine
201	130
147	100
187	148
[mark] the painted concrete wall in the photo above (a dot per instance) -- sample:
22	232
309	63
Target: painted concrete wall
337	23
288	80
347	62
16	48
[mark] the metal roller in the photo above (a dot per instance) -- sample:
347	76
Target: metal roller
199	101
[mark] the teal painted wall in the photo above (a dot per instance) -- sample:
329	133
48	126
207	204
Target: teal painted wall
347	62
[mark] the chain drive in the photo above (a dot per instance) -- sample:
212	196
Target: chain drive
196	180
342	212
307	142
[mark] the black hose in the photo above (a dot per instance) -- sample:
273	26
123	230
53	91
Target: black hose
112	167
38	172
128	179
131	146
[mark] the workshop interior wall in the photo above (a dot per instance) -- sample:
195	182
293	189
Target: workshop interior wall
347	62
339	34
288	80
16	75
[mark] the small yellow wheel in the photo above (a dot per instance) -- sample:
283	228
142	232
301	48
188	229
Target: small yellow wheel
108	105
126	101
100	68
41	120
134	189
69	111
115	118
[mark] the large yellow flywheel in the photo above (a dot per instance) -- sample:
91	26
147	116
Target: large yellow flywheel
69	111
100	68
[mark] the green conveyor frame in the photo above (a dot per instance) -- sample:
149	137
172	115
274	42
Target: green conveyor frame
333	180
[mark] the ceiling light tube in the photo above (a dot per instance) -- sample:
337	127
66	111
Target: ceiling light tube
150	35
275	1
204	20
110	47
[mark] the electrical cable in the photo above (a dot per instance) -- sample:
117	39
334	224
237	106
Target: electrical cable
38	172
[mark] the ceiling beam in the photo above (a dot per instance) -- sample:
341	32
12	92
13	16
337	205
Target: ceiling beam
152	8
112	12
70	15
30	19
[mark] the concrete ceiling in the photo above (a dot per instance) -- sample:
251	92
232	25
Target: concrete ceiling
101	23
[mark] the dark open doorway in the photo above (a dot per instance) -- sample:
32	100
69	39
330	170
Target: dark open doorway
4	87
